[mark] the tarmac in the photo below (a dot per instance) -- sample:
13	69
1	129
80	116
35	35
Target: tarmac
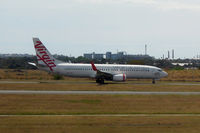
107	115
79	82
96	92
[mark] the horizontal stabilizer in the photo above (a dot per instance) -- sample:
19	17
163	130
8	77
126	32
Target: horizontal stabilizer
33	64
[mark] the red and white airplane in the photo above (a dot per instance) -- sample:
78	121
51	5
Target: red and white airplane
100	72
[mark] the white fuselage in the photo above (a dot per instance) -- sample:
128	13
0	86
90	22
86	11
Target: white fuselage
131	71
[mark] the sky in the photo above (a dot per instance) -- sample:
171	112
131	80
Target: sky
74	27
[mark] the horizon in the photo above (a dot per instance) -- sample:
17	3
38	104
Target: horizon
23	55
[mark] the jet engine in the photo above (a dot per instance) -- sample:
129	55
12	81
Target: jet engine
119	77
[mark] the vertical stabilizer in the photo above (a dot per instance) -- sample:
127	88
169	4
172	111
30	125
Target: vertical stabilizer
44	58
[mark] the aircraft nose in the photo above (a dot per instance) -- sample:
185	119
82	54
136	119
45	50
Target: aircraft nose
164	74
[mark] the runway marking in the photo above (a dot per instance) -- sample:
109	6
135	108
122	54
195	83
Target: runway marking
19	82
109	115
96	92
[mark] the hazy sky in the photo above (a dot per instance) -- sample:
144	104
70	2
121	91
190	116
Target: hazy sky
80	26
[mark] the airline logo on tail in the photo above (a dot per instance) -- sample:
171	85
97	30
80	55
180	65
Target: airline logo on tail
43	55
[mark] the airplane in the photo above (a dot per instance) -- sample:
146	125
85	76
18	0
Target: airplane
100	72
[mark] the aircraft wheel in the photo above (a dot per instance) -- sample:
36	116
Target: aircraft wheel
102	81
153	81
97	81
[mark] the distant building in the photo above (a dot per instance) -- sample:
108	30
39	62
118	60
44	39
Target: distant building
15	55
138	57
108	55
181	64
98	56
118	55
93	56
88	56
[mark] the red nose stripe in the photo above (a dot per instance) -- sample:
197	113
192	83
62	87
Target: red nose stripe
123	77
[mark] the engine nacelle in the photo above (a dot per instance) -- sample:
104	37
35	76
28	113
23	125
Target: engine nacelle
119	77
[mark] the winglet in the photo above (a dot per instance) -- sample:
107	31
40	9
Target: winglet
93	66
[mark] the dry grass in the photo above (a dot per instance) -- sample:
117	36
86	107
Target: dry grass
183	75
79	124
87	85
23	74
29	75
174	75
98	104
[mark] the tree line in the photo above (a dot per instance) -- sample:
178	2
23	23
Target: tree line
22	62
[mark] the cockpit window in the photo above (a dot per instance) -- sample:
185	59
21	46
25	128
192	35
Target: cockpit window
159	70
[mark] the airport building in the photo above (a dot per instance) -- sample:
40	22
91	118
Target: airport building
15	55
88	56
93	56
116	56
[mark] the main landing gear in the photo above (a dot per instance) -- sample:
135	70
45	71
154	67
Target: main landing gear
153	81
100	81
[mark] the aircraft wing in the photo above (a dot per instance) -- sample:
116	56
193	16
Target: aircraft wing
100	74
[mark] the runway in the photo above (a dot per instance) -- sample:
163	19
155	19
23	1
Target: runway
91	82
19	82
107	115
96	92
